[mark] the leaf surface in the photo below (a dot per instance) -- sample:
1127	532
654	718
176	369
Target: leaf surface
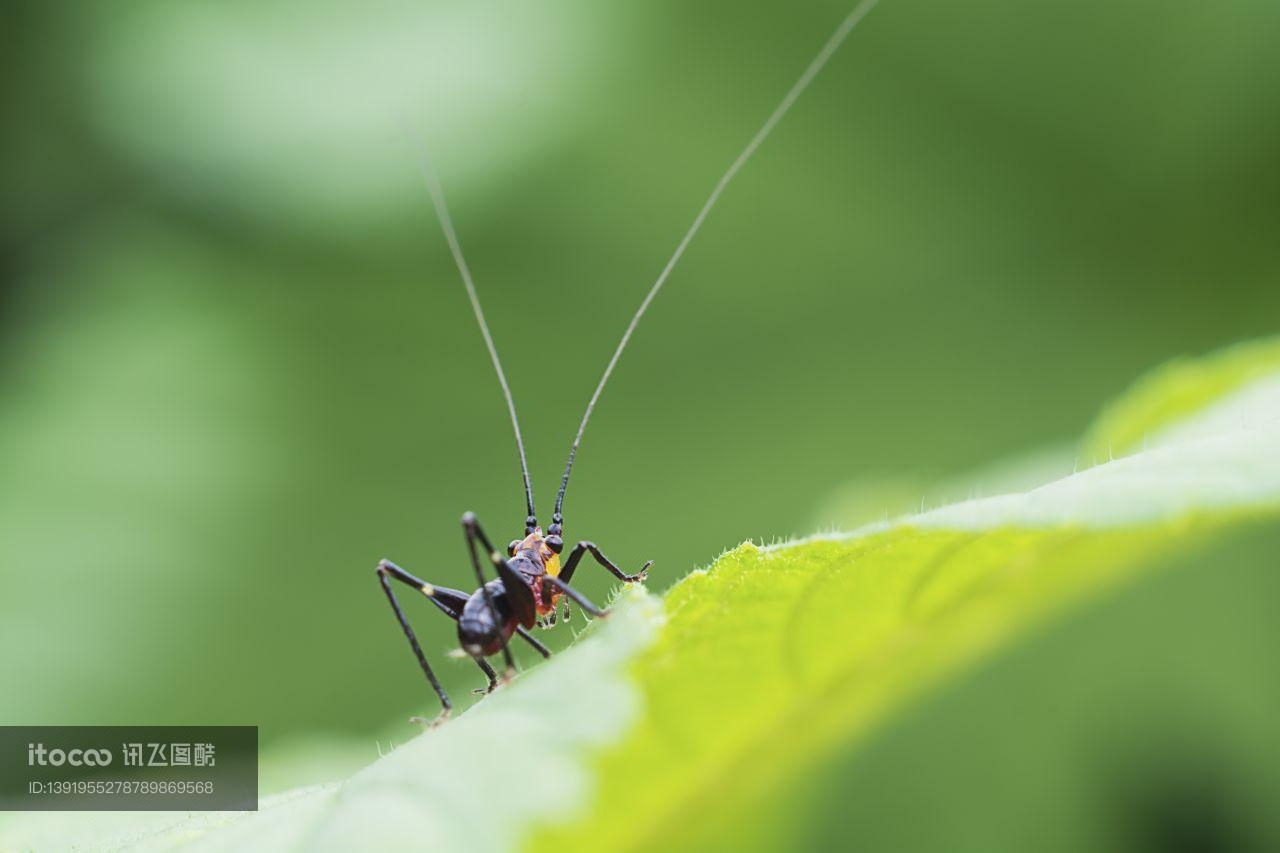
712	714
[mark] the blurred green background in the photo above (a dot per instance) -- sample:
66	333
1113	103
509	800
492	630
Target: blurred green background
237	366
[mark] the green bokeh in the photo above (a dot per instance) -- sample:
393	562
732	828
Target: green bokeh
236	372
1146	723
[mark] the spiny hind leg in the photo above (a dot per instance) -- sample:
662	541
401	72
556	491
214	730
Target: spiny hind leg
450	603
386	571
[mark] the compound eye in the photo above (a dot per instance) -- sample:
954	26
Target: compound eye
511	549
555	543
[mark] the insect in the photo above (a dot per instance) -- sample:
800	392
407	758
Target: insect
531	581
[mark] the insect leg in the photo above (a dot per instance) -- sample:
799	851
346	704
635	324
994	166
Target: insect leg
581	548
542	650
385	574
449	601
490	674
471	526
519	593
583	601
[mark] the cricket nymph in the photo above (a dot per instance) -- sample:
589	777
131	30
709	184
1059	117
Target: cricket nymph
531	581
530	586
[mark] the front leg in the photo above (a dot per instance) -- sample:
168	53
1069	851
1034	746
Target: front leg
584	547
573	594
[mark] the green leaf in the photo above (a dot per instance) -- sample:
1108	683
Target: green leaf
719	713
1172	393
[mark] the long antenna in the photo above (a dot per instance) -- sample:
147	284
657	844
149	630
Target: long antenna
446	222
824	55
